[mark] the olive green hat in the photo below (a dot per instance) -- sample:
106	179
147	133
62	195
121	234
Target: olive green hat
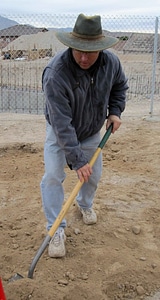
87	35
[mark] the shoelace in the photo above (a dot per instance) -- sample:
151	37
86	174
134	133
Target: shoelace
88	211
56	239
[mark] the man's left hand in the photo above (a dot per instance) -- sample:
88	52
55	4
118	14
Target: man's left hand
115	120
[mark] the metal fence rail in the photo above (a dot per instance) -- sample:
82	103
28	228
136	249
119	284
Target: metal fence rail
26	49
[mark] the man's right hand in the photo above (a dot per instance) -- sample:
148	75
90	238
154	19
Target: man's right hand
84	173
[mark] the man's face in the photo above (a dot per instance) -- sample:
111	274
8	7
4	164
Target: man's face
85	59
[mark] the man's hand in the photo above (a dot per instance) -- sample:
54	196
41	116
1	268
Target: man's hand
84	173
115	120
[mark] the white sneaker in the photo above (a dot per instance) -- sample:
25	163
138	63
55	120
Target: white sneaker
56	246
89	216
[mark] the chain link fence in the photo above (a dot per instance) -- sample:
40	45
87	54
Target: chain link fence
27	43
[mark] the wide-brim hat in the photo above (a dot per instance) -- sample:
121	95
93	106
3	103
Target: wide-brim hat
87	35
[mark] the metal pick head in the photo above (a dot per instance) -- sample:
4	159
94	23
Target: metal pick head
15	277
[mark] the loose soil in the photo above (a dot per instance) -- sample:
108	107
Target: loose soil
117	258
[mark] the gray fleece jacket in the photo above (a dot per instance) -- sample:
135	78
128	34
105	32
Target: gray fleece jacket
78	101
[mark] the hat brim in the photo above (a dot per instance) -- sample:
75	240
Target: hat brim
87	45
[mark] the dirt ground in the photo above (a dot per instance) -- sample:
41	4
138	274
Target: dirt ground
117	258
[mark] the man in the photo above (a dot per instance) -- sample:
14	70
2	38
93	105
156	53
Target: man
84	85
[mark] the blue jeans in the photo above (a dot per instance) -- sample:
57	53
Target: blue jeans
51	184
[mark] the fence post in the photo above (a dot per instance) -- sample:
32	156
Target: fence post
154	65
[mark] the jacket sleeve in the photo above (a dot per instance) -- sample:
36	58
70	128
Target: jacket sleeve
117	97
60	118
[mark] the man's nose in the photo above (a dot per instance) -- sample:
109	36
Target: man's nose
84	56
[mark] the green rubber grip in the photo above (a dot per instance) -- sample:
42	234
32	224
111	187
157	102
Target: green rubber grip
105	137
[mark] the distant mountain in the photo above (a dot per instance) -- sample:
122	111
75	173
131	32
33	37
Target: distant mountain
5	22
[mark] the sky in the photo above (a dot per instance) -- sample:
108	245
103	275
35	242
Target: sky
88	7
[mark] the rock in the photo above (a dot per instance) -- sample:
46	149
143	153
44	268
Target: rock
63	282
28	233
154	266
142	258
13	234
136	229
83	276
140	290
15	246
70	276
77	231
